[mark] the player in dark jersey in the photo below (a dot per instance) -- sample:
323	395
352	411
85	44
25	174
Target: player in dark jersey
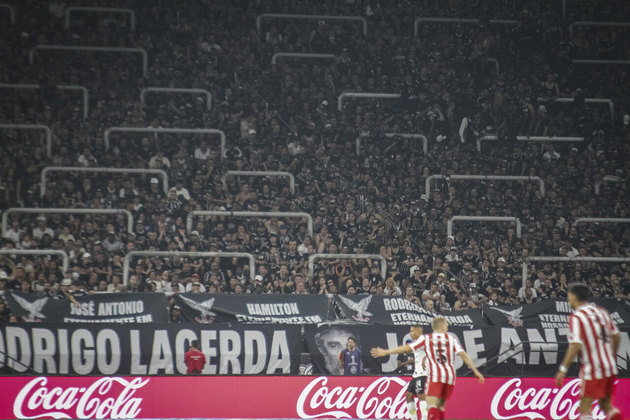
350	358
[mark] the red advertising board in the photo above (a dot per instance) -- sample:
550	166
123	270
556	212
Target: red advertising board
283	397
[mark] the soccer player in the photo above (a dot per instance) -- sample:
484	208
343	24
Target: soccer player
440	348
595	337
350	358
418	381
195	360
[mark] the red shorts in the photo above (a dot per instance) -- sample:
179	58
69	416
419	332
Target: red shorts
439	390
598	388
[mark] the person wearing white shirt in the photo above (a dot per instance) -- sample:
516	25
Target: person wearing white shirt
14	232
42	229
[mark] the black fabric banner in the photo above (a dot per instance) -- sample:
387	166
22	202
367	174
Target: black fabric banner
551	313
156	349
283	309
396	310
123	308
496	351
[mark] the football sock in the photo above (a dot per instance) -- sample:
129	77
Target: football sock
423	410
441	414
614	414
411	406
586	417
434	414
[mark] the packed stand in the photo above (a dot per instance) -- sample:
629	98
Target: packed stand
284	118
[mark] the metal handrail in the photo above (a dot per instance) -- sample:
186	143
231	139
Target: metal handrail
314	257
458	21
131	13
49	210
416	136
569	260
274	58
259	19
593	23
547	139
494	61
611	104
208	95
159	172
166	130
341	97
607	178
130	255
11	10
220	213
260	173
598	62
46	129
65	259
427	182
601	220
82	89
141	51
449	225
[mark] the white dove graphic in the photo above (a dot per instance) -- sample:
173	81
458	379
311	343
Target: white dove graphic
204	307
34	308
514	317
360	307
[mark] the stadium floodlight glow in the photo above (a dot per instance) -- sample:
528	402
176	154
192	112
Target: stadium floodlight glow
259	19
66	260
368	95
260	173
141	51
541	183
160	130
193	254
84	92
569	260
159	172
542	139
516	220
314	257
60	210
45	128
247	214
274	58
11	10
204	92
131	13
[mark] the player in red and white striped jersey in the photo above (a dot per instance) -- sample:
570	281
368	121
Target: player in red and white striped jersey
440	349
595	337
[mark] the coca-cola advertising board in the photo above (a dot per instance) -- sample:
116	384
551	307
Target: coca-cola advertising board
283	397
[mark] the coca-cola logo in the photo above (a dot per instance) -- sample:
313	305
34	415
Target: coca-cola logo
513	401
104	398
383	398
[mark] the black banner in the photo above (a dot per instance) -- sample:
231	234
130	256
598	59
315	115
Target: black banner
551	313
155	349
396	310
283	309
495	351
123	308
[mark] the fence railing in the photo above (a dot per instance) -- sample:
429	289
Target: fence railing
605	179
601	62
141	51
138	254
259	19
592	23
158	172
60	210
344	95
274	58
11	10
266	214
131	13
44	128
611	104
601	220
82	89
111	130
65	259
525	266
208	95
501	219
260	173
542	139
413	136
315	257
456	21
539	180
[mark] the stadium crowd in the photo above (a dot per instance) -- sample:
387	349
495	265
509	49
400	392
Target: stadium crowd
283	117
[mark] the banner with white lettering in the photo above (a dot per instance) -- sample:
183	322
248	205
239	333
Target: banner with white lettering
551	313
396	310
496	351
283	309
123	308
156	349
